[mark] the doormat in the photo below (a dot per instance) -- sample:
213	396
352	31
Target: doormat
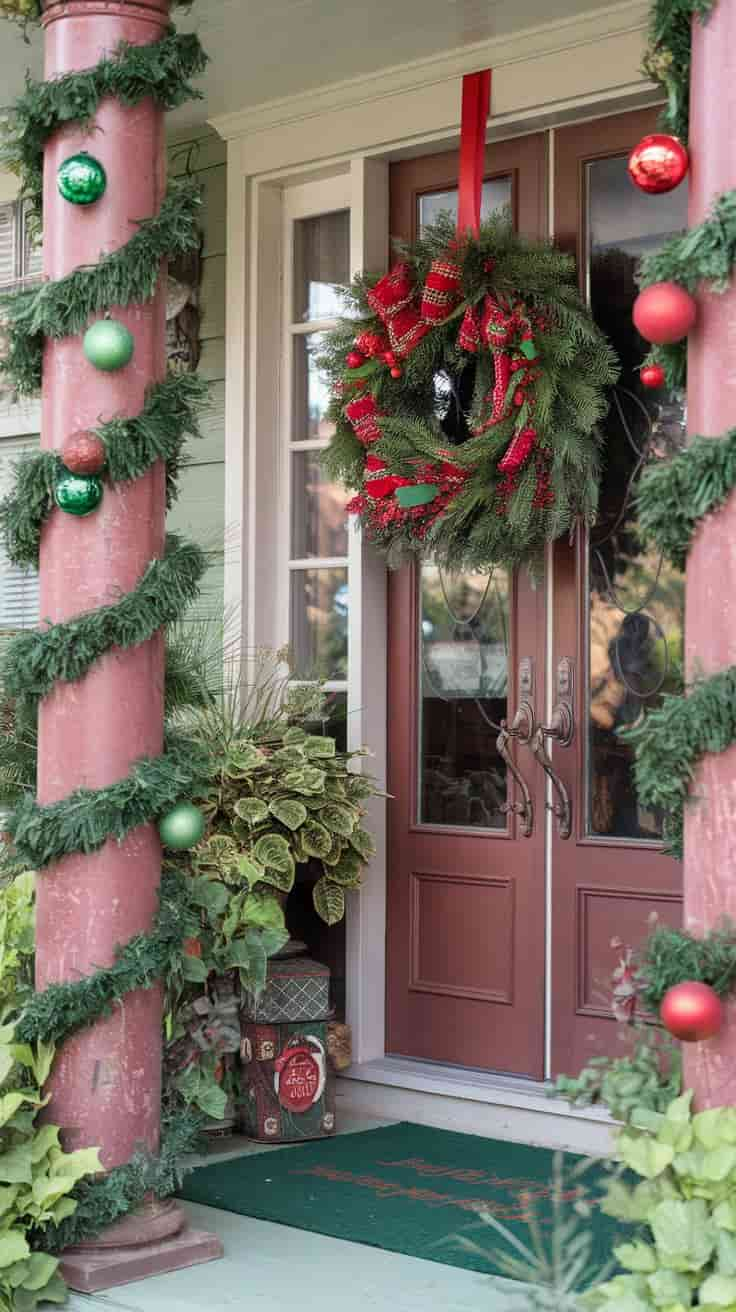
406	1188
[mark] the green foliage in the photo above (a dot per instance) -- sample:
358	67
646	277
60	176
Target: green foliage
87	818
685	1199
162	70
17	940
63	653
671	740
282	797
671	956
37	1179
167	421
673	495
646	1078
124	277
668	56
558	1261
483	522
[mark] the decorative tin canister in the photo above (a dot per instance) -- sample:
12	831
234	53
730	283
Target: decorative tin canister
288	1083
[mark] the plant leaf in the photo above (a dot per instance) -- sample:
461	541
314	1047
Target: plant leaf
329	900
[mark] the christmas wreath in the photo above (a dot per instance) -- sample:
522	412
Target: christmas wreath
466	387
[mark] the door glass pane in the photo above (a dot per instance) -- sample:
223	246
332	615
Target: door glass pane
496	195
311	394
318	519
319	622
463	639
636	600
321	265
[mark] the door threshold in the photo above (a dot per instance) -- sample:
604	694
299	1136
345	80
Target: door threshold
471	1085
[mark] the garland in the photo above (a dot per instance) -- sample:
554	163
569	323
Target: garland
675	494
39	658
170	417
500	456
87	819
671	956
668	57
128	276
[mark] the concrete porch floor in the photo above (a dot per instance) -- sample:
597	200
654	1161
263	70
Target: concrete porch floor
272	1267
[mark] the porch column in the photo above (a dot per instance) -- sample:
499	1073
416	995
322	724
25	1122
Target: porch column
106	1081
710	632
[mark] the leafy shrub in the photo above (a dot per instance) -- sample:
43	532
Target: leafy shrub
646	1078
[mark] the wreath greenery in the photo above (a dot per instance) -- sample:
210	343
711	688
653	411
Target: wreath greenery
466	389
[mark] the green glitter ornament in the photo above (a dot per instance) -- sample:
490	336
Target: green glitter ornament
182	827
82	179
78	494
108	345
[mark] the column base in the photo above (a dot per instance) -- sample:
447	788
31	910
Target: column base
130	1251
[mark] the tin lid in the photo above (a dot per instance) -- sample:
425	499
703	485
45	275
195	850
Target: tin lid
283	968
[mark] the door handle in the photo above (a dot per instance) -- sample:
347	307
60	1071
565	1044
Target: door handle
521	729
561	729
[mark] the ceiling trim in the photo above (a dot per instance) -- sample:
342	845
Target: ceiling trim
528	44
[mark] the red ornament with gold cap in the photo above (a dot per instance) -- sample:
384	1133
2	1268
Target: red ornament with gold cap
658	163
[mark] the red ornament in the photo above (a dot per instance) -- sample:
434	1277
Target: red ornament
372	344
84	453
389	357
659	163
652	375
354	360
664	312
691	1011
396	372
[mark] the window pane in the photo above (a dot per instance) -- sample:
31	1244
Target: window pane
8	269
334	720
319	623
636	600
311	393
321	260
32	249
318	519
463	636
496	195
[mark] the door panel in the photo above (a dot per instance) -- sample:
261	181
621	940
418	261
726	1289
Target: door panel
618	609
466	896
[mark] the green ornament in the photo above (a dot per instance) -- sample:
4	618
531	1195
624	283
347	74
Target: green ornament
416	494
528	349
78	494
82	179
108	345
181	827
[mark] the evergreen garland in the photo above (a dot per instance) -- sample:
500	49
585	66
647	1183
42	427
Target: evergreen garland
128	276
87	819
170	417
162	71
671	956
673	495
668	57
39	658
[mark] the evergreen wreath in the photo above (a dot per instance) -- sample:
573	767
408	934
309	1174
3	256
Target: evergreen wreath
466	389
86	819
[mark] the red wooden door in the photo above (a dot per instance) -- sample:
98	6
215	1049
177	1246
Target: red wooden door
472	960
466	888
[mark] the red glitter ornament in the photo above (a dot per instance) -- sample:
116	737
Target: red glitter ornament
664	312
371	344
354	360
84	453
652	375
691	1011
659	163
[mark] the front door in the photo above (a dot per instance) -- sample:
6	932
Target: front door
515	863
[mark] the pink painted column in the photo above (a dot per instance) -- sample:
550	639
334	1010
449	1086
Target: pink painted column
106	1082
710	821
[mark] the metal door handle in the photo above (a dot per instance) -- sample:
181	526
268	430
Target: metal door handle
561	729
521	728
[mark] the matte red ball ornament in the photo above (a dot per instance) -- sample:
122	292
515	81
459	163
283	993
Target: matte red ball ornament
389	357
659	163
691	1011
354	360
84	453
664	312
652	375
396	372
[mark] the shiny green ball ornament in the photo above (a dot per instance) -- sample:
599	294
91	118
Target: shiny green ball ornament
78	494
182	827
108	345
82	179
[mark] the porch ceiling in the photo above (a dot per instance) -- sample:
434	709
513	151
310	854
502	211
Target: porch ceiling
264	50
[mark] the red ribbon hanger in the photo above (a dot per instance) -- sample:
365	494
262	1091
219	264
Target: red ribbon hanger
475	110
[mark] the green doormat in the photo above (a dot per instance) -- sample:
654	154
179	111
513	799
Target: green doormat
407	1188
